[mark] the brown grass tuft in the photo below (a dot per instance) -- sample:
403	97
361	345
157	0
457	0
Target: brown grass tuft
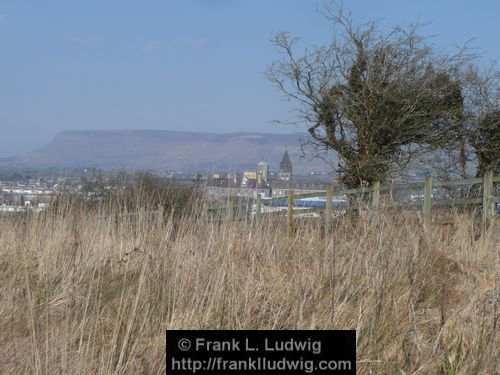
82	293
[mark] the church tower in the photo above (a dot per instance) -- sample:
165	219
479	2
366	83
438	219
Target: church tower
285	172
262	172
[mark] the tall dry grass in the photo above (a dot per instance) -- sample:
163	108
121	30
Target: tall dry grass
83	293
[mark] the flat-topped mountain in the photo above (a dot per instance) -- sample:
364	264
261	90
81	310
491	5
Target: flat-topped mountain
166	150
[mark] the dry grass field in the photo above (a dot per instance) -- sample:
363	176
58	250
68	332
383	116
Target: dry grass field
82	294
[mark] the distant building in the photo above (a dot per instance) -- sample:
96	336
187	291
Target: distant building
262	172
249	179
217	179
285	172
250	175
232	179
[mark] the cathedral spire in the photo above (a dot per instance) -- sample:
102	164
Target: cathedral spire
285	172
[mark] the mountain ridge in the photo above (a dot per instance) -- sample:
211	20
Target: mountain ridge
166	150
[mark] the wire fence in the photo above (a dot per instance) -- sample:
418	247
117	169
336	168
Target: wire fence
424	195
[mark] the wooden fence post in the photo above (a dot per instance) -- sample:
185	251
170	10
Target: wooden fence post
488	205
376	195
290	213
258	207
328	212
428	201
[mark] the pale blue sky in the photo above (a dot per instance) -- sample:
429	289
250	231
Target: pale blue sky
179	64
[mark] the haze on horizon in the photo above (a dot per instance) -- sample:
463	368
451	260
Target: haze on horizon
190	65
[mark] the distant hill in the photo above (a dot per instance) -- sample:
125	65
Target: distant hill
166	150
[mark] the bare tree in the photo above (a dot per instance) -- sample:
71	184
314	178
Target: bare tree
486	143
482	93
375	98
475	146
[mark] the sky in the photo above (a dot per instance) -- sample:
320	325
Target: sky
190	65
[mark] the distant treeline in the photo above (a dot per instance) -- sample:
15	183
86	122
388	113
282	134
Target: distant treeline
129	191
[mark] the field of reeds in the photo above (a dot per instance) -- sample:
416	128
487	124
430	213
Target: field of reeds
92	291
